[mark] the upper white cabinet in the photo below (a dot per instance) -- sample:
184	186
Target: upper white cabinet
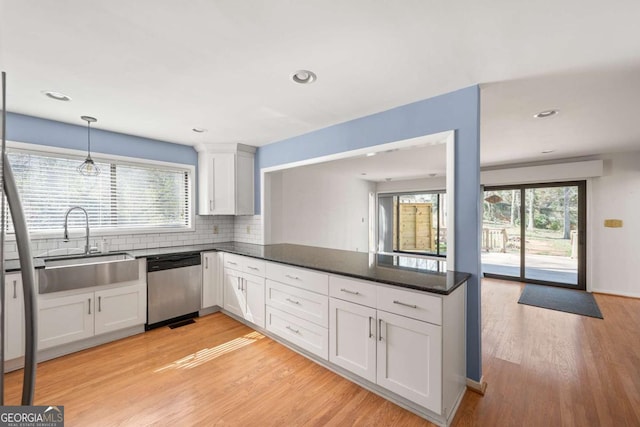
226	179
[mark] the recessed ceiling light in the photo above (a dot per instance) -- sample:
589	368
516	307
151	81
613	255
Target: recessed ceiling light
545	114
304	77
57	95
371	154
199	130
547	151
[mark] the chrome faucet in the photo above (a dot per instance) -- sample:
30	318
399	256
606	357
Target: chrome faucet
66	227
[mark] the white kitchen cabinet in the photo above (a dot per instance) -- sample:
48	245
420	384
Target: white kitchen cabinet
226	179
408	342
62	320
352	338
234	297
398	353
74	316
410	359
14	318
212	286
244	292
120	308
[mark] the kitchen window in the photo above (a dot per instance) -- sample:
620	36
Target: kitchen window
413	223
142	197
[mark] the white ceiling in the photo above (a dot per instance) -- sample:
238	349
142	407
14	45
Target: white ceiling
158	68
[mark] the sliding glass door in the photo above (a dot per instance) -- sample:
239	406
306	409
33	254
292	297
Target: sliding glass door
536	233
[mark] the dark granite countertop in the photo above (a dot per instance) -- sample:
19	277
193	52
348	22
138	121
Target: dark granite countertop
408	272
421	274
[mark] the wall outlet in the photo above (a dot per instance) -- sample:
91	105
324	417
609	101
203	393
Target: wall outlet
248	229
215	229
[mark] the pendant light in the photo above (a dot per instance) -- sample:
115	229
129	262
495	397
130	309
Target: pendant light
88	167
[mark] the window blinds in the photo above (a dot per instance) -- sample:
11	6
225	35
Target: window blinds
123	196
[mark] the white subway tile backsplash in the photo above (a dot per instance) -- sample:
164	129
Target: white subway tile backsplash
229	229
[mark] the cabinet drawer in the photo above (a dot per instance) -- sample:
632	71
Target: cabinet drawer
353	290
233	261
299	302
304	334
245	264
299	277
253	266
417	305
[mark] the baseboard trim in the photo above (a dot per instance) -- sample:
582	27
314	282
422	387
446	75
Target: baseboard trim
477	386
612	294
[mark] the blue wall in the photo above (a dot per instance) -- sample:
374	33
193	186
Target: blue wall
459	111
21	128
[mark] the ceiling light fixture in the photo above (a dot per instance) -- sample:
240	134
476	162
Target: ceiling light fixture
371	154
57	95
304	77
88	167
545	114
547	151
199	130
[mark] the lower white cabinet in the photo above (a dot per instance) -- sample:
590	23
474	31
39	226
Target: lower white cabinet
400	354
62	320
244	295
352	338
69	318
14	317
410	359
119	308
212	292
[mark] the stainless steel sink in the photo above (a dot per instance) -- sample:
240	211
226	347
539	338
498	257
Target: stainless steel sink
66	273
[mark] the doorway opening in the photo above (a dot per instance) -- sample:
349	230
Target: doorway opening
536	233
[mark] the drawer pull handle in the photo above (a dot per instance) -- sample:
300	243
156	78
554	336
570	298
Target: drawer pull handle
232	263
350	292
293	301
297	331
405	304
253	268
292	277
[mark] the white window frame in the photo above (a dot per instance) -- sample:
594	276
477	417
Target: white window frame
124	160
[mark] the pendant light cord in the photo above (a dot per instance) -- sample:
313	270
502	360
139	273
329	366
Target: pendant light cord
89	139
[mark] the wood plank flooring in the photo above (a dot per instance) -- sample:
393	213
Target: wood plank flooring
544	368
549	368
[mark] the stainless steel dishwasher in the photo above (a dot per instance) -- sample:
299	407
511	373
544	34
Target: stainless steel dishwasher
174	288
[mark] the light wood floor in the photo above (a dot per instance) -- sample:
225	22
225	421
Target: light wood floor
544	368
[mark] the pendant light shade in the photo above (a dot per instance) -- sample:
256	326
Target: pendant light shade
88	167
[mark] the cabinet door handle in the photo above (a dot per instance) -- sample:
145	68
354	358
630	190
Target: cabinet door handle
206	262
292	277
297	331
293	301
99	303
244	284
405	304
211	205
349	291
239	288
89	306
15	296
370	333
379	329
